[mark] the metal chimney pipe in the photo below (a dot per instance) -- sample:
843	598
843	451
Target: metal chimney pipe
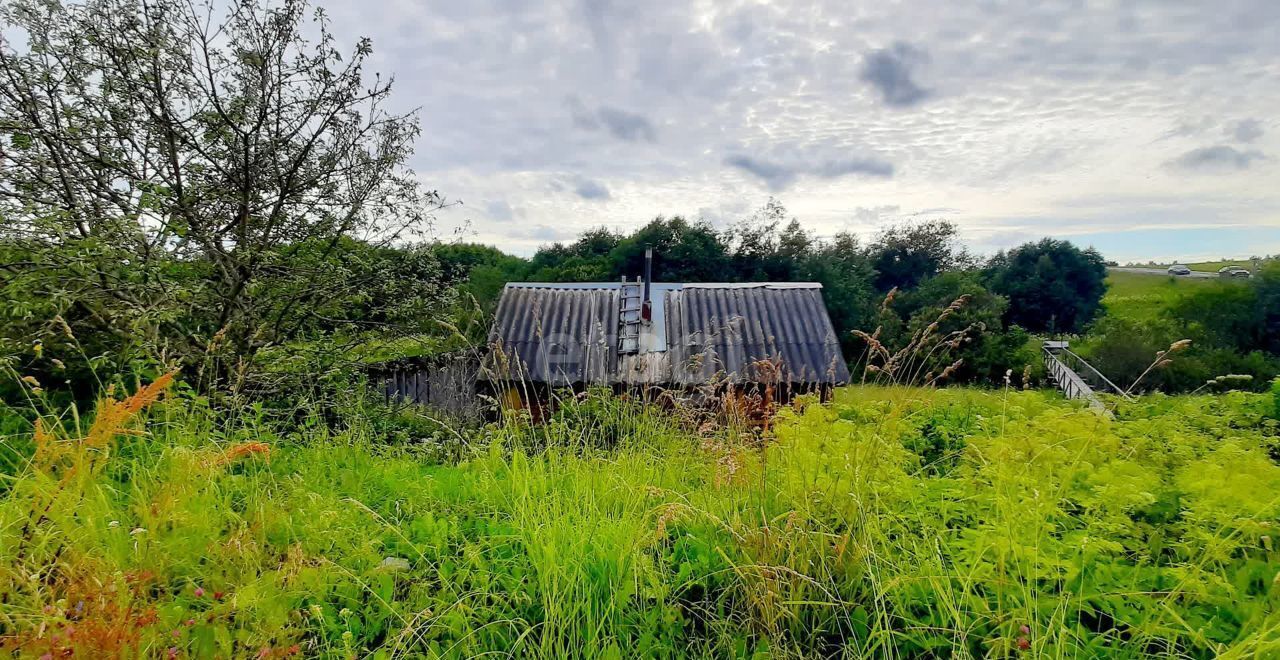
646	310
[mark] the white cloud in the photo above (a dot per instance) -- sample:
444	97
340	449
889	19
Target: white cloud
1011	120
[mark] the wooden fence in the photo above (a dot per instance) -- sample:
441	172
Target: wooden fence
446	384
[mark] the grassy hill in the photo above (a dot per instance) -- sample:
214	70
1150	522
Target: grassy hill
893	521
1142	296
1214	266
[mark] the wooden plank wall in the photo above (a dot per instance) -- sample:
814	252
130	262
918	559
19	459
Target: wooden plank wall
447	387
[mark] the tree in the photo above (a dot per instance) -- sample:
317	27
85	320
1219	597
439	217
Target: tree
841	266
760	252
587	259
958	309
904	255
683	252
1052	285
165	166
1267	285
1222	315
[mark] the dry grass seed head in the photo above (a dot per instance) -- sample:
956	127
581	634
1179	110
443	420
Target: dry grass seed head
888	299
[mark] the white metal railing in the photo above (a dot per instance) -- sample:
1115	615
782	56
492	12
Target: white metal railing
1070	382
1088	372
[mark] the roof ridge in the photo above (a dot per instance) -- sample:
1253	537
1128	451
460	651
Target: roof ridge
665	285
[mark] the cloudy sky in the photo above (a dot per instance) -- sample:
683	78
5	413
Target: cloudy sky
1147	129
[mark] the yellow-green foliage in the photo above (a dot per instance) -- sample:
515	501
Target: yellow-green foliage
891	522
1145	297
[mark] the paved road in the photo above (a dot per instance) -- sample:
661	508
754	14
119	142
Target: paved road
1161	271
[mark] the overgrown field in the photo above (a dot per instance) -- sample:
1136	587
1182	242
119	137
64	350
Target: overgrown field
1144	297
892	522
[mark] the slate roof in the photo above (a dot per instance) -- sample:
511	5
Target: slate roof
566	334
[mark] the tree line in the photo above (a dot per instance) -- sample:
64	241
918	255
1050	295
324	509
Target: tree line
898	281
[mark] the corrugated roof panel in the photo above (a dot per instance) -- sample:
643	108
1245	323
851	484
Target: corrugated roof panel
729	330
557	336
567	334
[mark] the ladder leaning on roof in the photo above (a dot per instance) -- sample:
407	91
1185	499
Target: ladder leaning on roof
1072	374
630	303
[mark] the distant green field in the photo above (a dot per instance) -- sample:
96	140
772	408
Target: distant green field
1141	296
1208	266
1213	266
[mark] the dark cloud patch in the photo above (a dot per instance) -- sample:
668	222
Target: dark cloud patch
872	167
621	124
1245	130
627	126
588	189
1216	158
1190	128
499	209
890	71
779	176
776	176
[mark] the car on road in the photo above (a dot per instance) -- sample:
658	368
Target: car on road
1179	269
1233	271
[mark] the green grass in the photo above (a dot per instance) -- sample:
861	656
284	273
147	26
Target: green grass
1211	266
892	522
1214	266
1142	297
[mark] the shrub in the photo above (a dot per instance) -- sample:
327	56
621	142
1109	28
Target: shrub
891	521
1052	286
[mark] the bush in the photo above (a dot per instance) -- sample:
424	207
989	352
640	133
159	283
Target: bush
951	323
1122	349
1052	286
893	521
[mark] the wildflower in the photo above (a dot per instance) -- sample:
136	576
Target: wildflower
113	524
667	514
245	449
264	652
346	637
173	651
344	613
38	348
199	592
217	595
31	380
62	323
58	363
137	530
293	650
1025	629
177	632
1023	644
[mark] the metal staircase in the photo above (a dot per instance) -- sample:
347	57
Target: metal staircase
1076	377
630	302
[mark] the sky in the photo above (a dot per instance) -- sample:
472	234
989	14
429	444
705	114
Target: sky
1146	129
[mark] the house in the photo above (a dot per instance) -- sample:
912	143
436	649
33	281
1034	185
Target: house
670	335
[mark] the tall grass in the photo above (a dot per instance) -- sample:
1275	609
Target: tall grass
892	522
